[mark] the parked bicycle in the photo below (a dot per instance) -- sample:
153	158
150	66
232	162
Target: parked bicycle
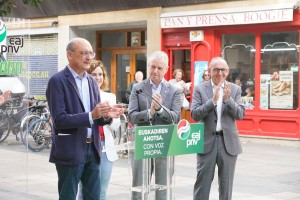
39	134
122	137
17	119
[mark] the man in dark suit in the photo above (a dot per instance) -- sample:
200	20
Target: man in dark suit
144	111
216	103
73	99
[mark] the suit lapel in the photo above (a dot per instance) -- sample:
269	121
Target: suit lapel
164	91
210	93
147	89
72	82
209	89
92	94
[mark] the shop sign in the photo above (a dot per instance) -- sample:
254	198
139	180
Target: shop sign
281	91
233	18
168	140
196	36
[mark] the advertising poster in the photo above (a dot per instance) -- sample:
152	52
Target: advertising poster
281	91
200	67
264	91
168	140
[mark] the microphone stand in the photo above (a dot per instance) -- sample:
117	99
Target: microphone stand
170	159
140	91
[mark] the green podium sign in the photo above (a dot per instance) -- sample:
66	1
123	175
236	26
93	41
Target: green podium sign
168	140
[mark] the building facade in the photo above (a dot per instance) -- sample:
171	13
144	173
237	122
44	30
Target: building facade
259	40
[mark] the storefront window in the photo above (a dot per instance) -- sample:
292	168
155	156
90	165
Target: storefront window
239	51
279	70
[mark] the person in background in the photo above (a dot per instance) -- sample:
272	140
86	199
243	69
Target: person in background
205	76
138	77
74	103
99	73
238	82
249	92
4	97
177	81
144	111
216	103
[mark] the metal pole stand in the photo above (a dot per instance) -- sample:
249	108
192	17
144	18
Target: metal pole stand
160	185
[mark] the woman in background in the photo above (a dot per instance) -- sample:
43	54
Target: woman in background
98	71
178	82
205	76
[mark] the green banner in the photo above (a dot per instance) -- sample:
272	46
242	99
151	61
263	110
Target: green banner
168	140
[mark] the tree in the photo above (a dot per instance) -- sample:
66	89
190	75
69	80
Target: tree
7	5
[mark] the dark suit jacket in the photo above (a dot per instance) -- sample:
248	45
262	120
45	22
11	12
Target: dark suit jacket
204	110
70	121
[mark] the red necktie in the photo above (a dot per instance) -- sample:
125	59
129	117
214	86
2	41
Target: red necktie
101	132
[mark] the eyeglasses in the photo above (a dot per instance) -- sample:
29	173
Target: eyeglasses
88	53
206	74
217	70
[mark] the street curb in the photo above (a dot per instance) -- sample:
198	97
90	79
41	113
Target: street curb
269	140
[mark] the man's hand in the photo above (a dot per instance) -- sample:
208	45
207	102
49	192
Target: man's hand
227	91
216	94
117	111
154	105
4	97
101	110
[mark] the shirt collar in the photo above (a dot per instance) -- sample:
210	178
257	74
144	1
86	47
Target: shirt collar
75	75
215	86
151	83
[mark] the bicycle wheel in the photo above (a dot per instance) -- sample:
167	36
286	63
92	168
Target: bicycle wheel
25	123
4	128
38	134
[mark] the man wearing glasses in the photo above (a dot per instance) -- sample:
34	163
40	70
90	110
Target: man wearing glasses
216	103
74	101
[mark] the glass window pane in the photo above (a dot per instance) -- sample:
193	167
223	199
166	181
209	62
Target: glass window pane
141	63
116	39
123	61
239	51
106	60
279	72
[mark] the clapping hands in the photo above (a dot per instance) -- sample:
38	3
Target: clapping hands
104	109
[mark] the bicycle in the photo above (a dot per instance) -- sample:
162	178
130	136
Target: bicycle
39	134
15	119
122	137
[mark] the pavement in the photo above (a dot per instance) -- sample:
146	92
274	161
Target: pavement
263	172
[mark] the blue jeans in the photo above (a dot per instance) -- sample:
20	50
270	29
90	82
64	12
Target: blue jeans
105	174
88	172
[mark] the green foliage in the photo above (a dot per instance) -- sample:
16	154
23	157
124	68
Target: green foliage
5	7
34	3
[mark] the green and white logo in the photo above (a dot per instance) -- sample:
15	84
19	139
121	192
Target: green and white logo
2	31
183	129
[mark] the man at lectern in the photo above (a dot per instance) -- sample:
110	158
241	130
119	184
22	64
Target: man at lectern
154	101
217	104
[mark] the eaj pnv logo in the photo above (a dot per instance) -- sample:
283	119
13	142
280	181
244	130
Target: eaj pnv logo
183	129
13	43
2	31
10	44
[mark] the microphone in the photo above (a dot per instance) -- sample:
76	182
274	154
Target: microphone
140	91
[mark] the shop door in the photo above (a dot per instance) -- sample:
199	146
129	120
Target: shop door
124	65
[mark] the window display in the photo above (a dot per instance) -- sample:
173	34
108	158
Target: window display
279	56
239	52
